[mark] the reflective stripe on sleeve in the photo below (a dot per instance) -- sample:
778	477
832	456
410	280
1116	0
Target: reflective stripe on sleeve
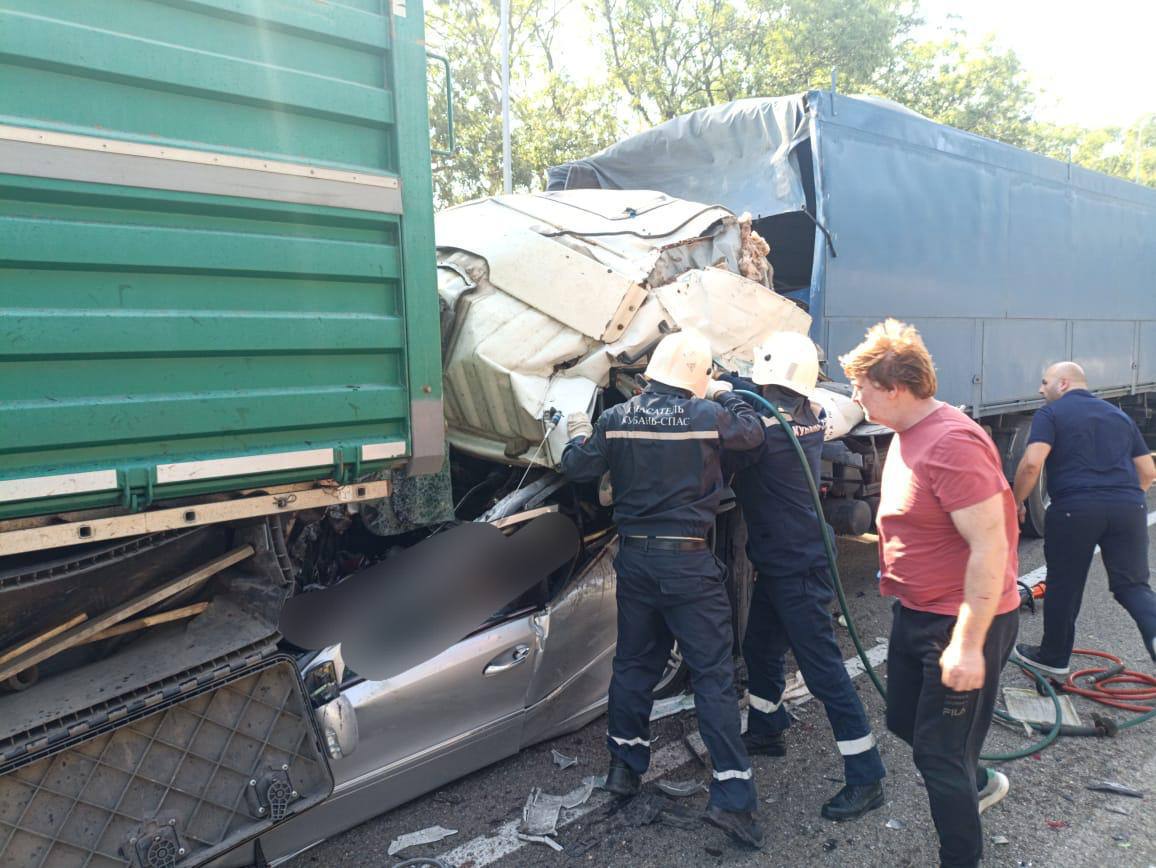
764	705
662	435
854	746
733	775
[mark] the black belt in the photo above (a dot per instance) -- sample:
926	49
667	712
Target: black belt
660	544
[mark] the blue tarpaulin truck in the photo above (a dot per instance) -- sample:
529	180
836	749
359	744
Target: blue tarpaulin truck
1005	260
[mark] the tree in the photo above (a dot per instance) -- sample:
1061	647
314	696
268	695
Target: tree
552	118
665	58
1128	153
673	57
976	88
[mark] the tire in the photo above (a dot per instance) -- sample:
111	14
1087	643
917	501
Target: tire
731	548
674	677
1016	443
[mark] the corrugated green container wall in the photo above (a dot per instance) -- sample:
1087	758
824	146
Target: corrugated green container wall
216	241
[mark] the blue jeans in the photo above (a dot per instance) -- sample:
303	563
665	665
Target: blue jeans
793	612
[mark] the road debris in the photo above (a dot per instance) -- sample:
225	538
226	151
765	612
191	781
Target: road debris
422	836
698	748
672	705
542	839
650	807
562	761
895	824
1056	825
830	844
423	862
1116	809
795	689
581	794
1027	705
681	789
541	811
1000	839
1114	788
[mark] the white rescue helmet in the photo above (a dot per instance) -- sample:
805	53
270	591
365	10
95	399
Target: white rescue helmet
682	360
789	360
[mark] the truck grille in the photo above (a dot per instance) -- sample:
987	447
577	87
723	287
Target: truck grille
177	785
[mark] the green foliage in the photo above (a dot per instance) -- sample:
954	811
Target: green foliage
668	57
1127	153
552	118
672	57
979	89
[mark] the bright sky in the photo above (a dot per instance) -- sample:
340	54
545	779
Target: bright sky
1095	61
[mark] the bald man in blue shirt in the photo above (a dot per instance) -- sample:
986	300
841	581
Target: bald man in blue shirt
1099	470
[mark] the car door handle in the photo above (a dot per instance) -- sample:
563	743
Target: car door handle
507	660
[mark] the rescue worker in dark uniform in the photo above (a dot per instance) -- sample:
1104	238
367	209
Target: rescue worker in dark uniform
793	590
662	449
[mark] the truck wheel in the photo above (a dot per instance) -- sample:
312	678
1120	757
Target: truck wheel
1037	502
730	547
674	677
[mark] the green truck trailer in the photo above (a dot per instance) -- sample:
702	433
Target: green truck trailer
218	323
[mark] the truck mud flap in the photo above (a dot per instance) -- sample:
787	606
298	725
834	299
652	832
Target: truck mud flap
179	783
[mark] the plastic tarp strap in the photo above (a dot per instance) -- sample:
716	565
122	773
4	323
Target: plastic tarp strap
740	155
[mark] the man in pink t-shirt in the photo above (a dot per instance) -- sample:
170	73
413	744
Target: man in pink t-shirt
947	541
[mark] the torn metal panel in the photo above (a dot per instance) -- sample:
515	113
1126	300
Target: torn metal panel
526	262
543	295
735	313
541	811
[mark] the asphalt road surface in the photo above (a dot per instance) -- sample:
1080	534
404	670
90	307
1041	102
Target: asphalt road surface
1049	818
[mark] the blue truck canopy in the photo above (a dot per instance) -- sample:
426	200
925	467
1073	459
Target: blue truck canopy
1004	259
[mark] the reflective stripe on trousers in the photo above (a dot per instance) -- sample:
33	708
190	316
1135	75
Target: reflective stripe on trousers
763	705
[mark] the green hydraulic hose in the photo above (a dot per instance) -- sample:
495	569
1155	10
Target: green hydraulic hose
1146	716
829	546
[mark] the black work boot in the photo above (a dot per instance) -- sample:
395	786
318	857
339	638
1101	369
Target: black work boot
621	780
765	745
742	826
853	801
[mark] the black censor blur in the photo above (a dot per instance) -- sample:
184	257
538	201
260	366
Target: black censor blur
412	607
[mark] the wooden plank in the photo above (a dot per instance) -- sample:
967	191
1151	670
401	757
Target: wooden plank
149	621
25	647
82	632
101	529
